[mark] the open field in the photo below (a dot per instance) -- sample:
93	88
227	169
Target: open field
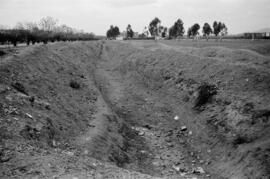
136	109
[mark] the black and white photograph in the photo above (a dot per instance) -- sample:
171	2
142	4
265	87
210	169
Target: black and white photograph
134	89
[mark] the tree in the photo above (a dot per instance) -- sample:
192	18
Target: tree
207	30
19	26
195	30
130	32
220	28
189	32
29	32
216	28
113	32
31	26
223	31
48	23
153	26
177	29
164	31
116	31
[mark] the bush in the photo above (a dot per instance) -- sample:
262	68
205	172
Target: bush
205	92
74	84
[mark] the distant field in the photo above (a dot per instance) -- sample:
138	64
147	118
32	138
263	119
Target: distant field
259	46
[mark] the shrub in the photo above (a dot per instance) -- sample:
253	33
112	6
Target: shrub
74	84
205	92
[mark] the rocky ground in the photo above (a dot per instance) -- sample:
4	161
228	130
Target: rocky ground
135	109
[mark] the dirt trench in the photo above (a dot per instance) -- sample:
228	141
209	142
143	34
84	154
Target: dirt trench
155	143
182	117
131	110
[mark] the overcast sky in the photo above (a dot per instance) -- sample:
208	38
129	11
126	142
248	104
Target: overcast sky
97	15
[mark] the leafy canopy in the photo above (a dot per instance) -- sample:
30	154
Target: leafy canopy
177	29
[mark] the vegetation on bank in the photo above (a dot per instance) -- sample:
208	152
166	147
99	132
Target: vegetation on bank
177	30
46	30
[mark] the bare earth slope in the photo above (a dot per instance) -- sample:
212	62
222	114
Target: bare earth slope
107	109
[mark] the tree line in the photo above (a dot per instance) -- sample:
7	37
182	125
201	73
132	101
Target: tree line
46	30
155	29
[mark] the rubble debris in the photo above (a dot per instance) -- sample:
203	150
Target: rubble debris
198	170
148	126
19	87
141	133
29	115
176	168
183	128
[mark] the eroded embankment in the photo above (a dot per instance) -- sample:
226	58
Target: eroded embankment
54	120
221	95
74	109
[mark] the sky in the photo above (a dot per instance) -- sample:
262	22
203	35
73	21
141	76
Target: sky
97	15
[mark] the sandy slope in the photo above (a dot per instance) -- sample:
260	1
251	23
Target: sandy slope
117	121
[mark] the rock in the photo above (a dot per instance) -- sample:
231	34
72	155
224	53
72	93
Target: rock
14	112
54	143
169	133
47	106
143	152
148	126
190	133
3	89
201	161
170	145
183	128
199	170
91	125
86	152
69	153
29	115
5	157
32	99
181	141
19	87
156	163
141	133
183	174
176	168
176	118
